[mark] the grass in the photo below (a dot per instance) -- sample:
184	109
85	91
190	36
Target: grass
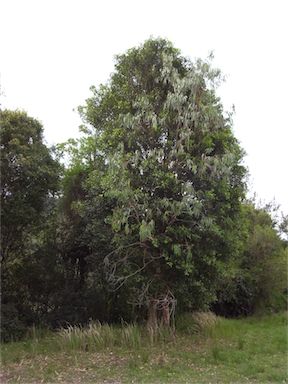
205	349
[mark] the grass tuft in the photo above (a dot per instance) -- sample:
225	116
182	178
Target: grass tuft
131	336
196	322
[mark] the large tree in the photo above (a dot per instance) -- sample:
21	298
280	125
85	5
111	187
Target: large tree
161	153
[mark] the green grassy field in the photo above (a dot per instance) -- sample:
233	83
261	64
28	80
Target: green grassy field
252	350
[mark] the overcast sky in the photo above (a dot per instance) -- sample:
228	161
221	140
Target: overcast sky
51	52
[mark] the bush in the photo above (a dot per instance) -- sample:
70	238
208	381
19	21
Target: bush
260	275
12	328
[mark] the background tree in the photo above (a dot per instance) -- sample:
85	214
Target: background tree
259	278
28	176
29	181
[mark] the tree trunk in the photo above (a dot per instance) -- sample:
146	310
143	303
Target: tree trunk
152	322
166	314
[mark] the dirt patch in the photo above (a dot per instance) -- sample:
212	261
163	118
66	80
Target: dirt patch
63	368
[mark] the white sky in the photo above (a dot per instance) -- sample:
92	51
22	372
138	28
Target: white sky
51	51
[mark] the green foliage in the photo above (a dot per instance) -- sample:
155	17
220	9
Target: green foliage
28	175
29	179
170	170
259	279
11	325
148	210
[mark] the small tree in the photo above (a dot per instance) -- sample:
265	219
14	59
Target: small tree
166	159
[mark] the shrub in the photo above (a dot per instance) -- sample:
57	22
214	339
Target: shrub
12	328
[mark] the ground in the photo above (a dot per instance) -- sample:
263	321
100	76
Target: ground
252	350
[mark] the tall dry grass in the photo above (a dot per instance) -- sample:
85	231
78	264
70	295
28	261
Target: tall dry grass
97	336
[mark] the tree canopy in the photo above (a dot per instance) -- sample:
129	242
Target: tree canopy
161	152
29	179
28	175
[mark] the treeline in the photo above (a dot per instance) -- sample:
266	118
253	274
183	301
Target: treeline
145	214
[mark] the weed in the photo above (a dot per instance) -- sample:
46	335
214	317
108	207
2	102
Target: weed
145	356
241	344
216	353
